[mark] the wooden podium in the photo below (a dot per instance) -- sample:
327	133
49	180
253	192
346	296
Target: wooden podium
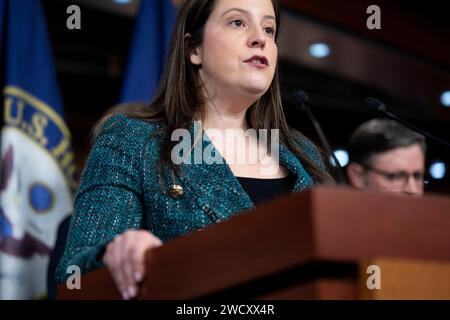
312	245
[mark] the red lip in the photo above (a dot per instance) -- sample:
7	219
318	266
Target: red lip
261	59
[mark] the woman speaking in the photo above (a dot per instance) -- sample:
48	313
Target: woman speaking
135	194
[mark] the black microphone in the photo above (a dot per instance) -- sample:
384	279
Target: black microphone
379	108
302	102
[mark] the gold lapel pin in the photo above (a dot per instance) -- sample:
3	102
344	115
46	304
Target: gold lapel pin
176	191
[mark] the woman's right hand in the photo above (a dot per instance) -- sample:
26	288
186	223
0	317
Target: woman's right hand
125	259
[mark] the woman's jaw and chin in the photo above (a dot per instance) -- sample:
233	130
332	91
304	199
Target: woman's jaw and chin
238	96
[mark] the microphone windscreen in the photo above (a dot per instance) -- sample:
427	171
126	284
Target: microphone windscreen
375	105
301	97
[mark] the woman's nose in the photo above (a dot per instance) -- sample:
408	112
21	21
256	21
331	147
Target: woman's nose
257	38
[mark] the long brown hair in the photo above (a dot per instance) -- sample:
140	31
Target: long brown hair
178	99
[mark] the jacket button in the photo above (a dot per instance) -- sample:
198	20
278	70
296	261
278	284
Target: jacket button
176	191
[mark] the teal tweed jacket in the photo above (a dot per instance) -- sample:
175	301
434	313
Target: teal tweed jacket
120	190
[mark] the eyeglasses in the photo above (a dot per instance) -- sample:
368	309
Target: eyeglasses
398	178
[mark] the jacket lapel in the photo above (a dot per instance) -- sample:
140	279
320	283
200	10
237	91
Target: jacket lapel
214	186
293	164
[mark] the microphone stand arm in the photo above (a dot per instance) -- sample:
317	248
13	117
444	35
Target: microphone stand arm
414	128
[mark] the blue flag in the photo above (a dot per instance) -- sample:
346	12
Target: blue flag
2	11
154	24
38	171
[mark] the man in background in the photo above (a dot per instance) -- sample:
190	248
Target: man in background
386	156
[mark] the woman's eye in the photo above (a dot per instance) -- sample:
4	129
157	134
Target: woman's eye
269	30
237	23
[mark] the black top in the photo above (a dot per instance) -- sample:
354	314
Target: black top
262	190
